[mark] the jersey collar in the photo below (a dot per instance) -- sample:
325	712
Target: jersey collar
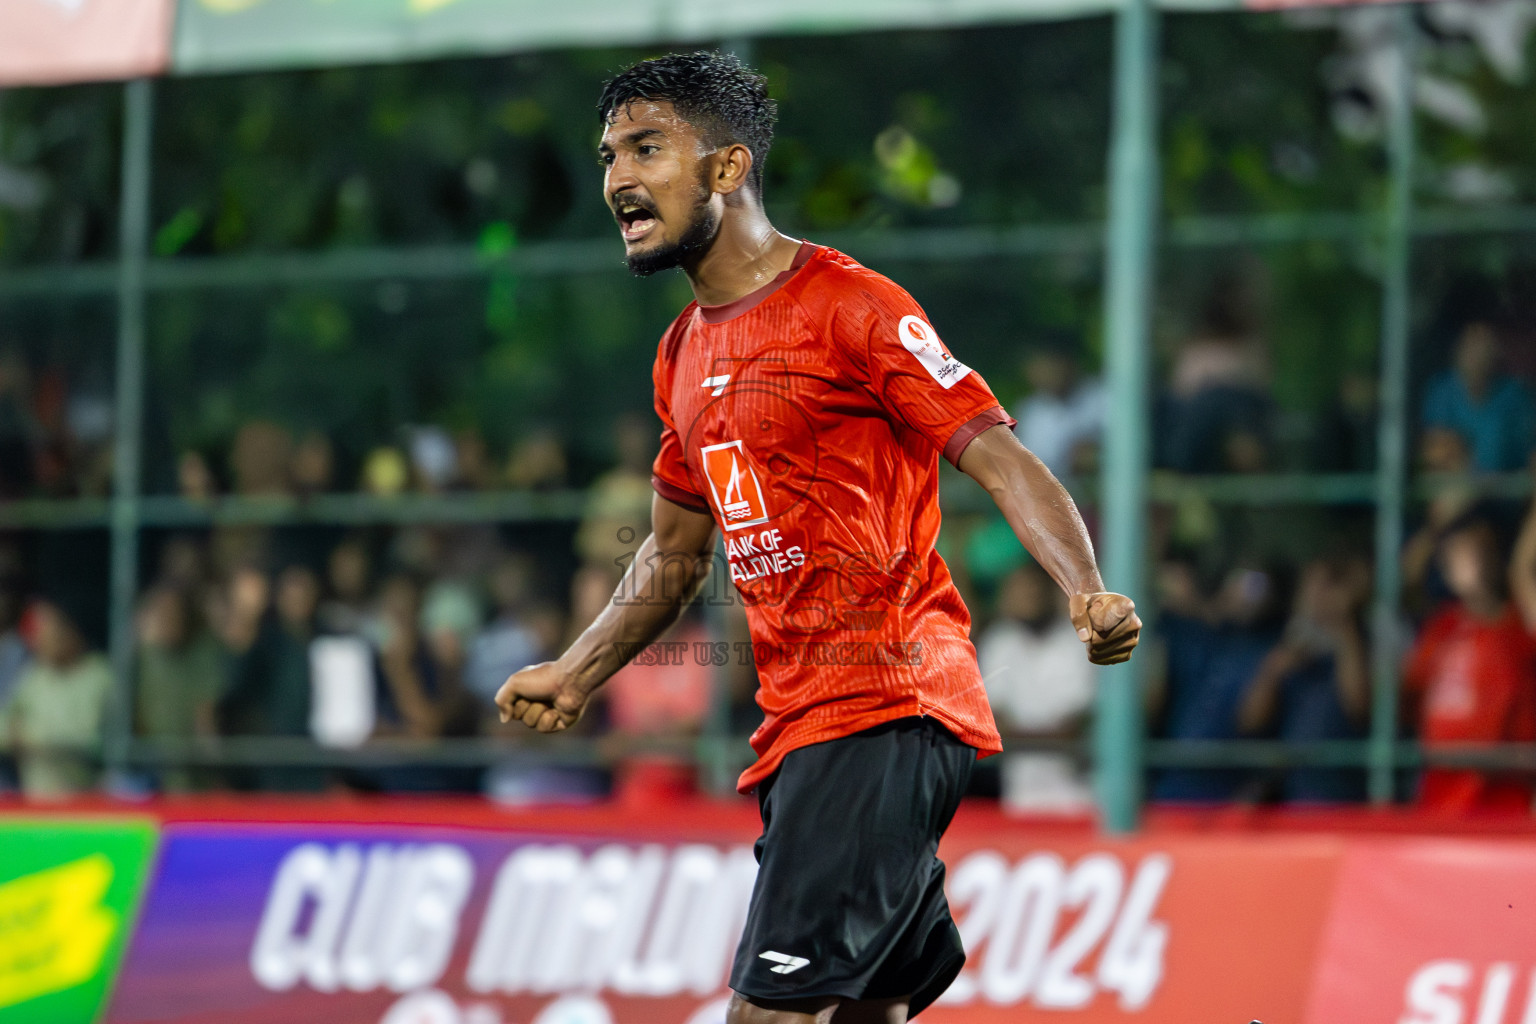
731	310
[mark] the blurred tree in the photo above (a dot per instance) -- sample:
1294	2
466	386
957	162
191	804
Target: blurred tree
59	173
1261	114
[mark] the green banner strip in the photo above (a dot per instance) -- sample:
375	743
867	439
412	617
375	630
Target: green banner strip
69	892
225	35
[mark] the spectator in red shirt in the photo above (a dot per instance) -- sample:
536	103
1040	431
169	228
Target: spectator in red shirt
1472	673
663	697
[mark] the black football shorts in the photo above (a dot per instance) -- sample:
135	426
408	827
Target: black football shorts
849	899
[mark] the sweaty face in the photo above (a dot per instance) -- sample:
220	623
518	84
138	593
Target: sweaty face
655	183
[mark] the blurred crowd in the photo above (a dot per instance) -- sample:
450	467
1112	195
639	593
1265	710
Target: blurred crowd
341	637
266	459
1261	623
271	640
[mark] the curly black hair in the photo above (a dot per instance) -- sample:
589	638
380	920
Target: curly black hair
715	92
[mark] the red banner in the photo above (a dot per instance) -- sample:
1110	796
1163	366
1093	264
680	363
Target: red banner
434	913
1162	931
1430	932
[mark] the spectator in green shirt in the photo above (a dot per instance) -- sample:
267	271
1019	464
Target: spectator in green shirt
56	717
180	671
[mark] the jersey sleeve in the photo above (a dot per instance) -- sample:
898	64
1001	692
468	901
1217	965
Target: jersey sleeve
669	473
897	354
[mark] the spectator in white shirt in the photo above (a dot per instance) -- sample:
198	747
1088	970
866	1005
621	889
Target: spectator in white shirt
1041	687
1062	420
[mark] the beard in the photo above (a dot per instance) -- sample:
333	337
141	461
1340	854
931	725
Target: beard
688	249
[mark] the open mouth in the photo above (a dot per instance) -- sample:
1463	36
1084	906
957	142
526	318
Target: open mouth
635	221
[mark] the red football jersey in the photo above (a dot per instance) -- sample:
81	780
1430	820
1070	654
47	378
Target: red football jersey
807	418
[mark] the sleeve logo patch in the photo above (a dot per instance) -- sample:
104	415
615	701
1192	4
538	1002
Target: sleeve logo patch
923	341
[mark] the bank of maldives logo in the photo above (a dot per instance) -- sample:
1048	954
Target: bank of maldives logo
733	482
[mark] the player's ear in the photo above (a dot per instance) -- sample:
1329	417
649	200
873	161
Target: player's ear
732	167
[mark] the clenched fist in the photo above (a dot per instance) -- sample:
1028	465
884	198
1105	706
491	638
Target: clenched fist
1107	623
542	697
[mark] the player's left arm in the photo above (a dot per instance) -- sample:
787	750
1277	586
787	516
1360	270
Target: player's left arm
1047	523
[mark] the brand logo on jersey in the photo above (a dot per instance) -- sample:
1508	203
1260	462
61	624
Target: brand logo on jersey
734	484
787	964
923	341
718	383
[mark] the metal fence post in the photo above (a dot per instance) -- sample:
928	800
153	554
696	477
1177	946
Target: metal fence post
1392	427
133	251
1133	201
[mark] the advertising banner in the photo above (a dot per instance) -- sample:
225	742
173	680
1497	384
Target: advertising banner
257	924
48	41
52	41
68	895
1431	931
229	34
224	35
1164	932
363	924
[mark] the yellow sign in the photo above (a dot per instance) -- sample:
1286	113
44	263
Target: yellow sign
54	928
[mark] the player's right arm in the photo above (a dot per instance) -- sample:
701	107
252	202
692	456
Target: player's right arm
1047	523
666	573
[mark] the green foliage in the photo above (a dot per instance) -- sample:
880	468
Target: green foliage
175	233
64	142
1247	126
993	126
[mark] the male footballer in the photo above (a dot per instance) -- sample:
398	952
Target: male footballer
805	402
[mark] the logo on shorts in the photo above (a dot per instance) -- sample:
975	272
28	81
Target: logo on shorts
923	341
787	964
733	482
